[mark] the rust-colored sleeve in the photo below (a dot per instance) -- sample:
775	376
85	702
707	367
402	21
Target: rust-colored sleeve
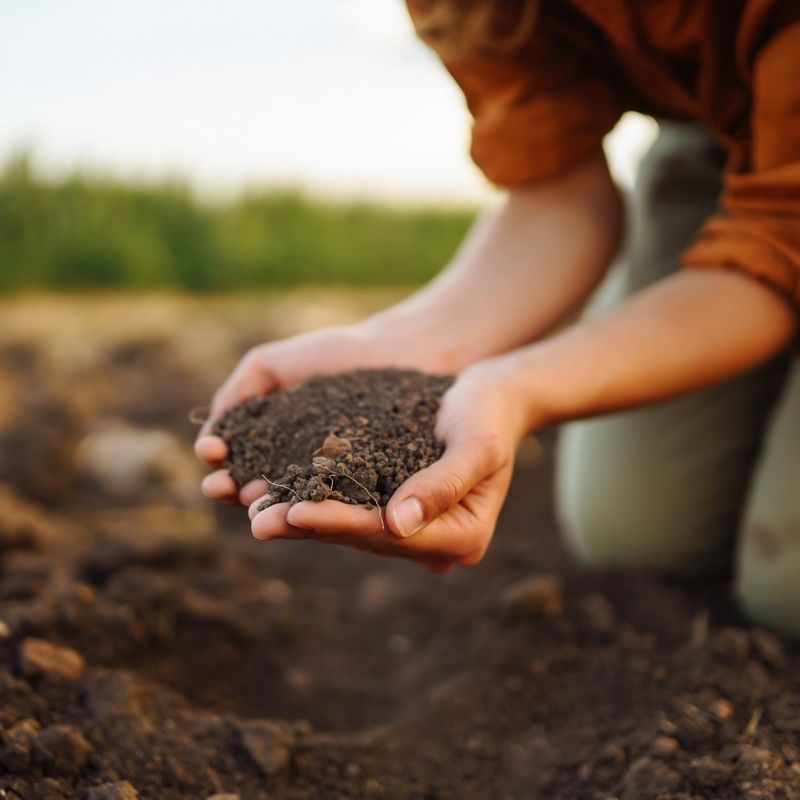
536	111
758	231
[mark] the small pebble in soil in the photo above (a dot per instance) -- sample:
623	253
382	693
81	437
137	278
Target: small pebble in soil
16	744
122	790
298	679
649	778
376	592
768	648
756	758
62	750
598	614
693	726
532	598
722	709
666	746
613	752
275	591
40	658
710	772
267	745
353	437
47	789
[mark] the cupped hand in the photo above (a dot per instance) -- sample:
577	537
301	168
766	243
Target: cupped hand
442	516
276	365
273	366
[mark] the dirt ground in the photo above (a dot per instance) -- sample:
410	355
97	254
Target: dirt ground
150	648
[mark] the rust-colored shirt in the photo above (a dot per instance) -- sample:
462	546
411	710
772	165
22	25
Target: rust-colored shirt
732	64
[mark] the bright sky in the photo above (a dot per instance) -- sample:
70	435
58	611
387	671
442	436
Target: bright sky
336	95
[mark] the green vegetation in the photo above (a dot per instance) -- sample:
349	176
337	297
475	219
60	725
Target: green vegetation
92	232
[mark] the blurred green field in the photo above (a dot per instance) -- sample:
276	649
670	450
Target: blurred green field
89	231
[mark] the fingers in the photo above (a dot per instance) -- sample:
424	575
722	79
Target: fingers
332	517
250	377
253	508
352	526
254	490
434	490
276	522
211	449
271	523
365	529
219	485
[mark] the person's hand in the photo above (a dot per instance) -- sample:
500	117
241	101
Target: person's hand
276	365
444	515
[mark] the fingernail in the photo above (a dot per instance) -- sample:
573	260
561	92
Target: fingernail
291	518
409	517
253	508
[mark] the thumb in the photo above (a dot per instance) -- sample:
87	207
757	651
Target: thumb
250	377
432	491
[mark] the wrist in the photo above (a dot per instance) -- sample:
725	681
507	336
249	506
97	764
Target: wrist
525	388
500	380
408	338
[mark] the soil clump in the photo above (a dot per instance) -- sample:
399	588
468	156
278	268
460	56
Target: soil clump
353	437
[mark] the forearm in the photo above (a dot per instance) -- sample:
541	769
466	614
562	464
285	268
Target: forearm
523	269
686	332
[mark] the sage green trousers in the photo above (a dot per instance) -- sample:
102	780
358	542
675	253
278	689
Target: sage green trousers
691	485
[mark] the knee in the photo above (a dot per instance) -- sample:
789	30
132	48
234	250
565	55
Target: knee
619	513
603	528
768	581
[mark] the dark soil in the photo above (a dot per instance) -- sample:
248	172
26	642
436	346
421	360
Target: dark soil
149	651
353	437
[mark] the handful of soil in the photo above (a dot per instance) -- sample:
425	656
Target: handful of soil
353	437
